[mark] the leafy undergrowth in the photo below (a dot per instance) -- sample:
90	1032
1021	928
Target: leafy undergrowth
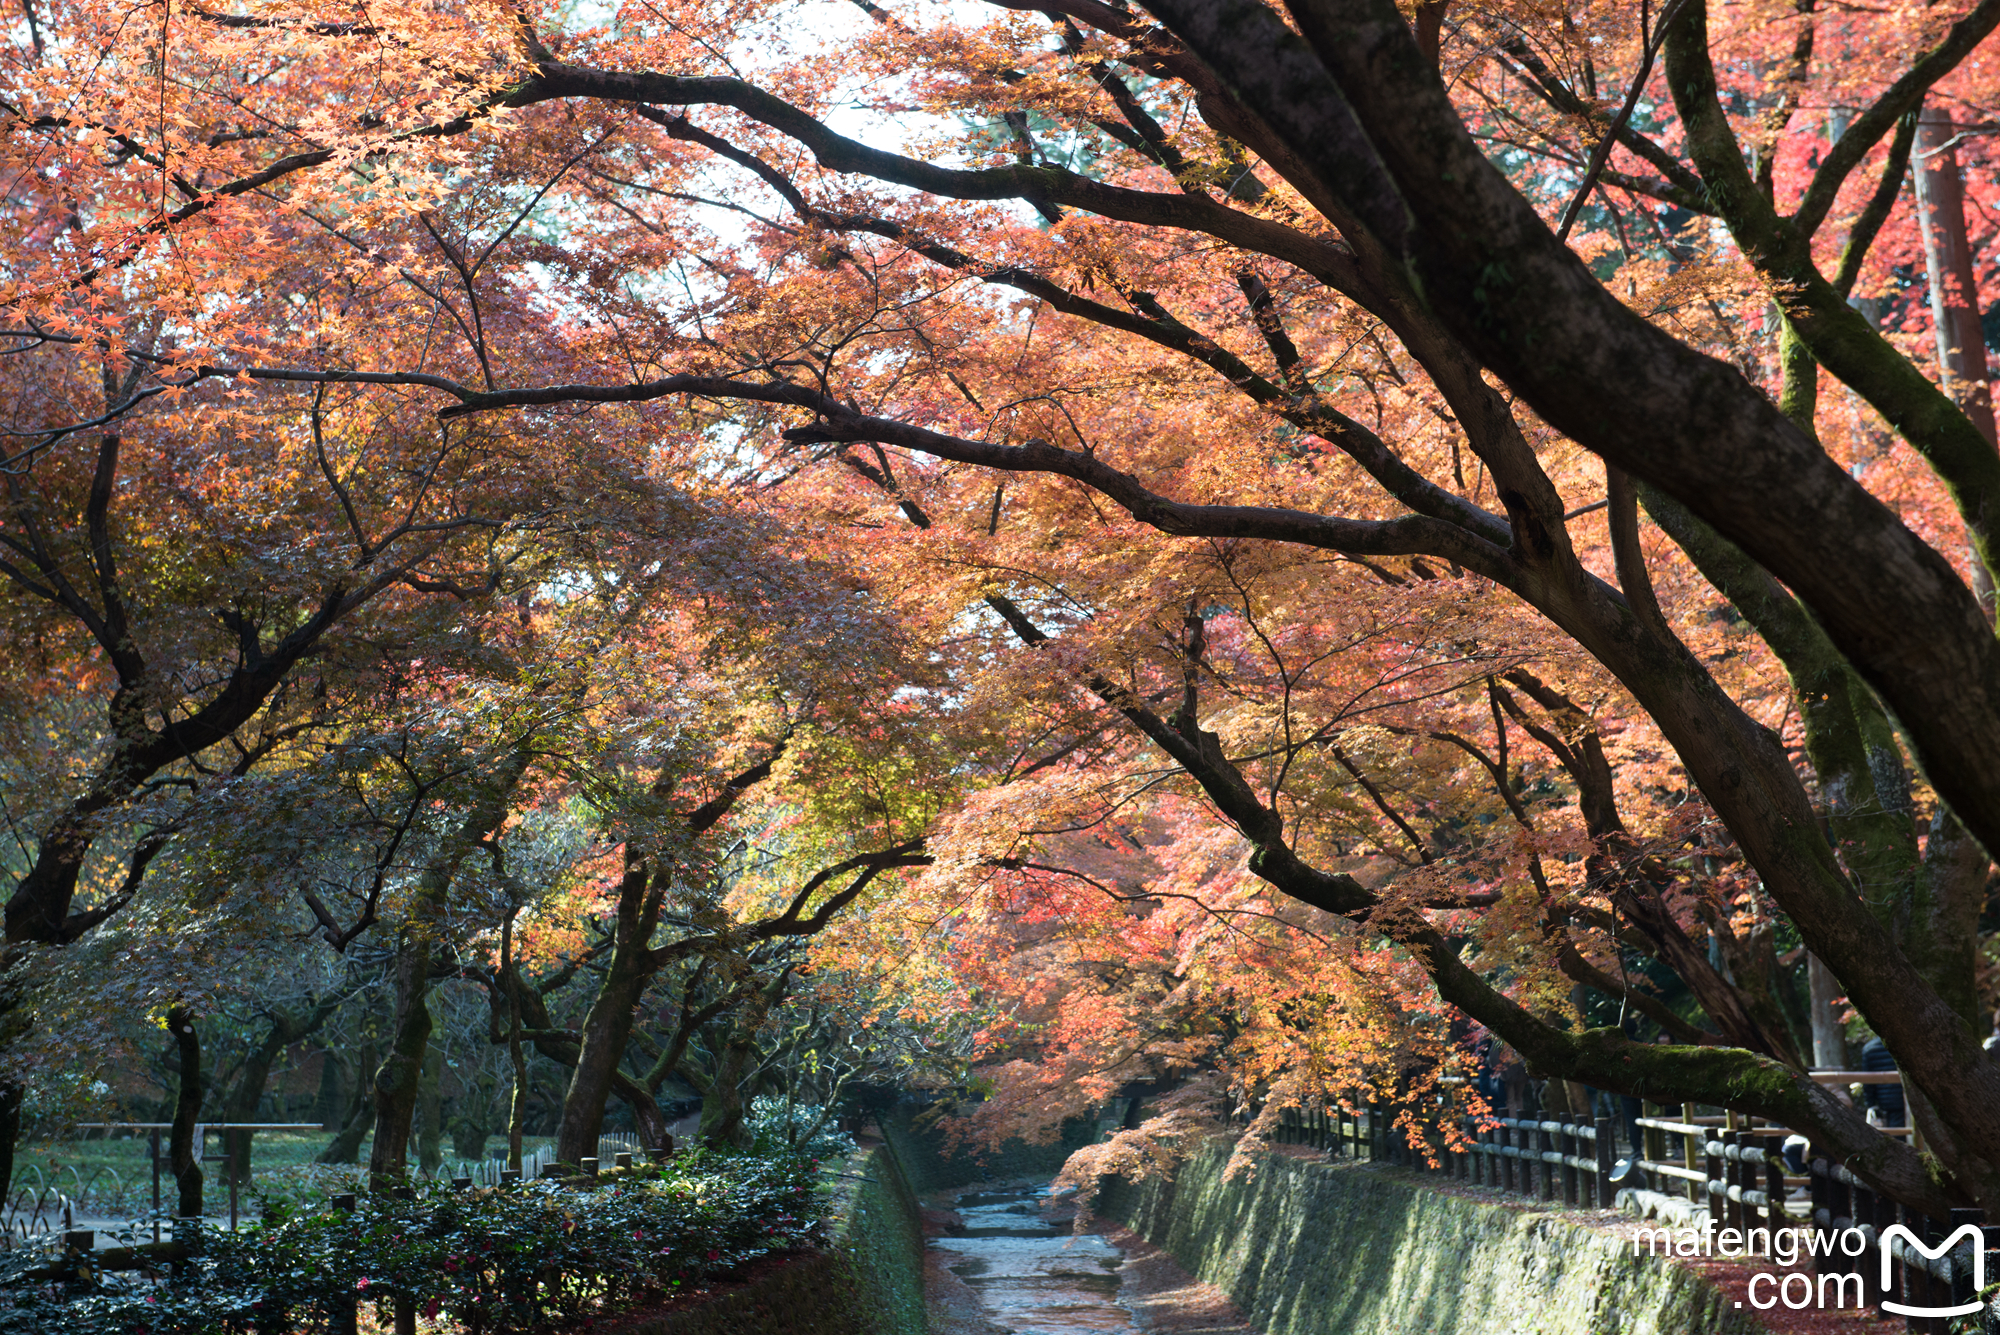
504	1261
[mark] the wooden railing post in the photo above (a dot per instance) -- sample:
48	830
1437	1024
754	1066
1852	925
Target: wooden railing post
1714	1183
1868	1209
1545	1143
1961	1280
1566	1139
1692	1157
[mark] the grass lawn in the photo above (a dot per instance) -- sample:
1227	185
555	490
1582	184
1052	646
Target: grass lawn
115	1177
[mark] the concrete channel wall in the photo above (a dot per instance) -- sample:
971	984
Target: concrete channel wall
1341	1249
869	1282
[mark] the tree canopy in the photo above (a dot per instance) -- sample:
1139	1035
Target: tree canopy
1186	544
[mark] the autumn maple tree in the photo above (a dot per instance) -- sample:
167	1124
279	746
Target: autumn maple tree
1469	498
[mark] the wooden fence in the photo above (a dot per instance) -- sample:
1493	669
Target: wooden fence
1551	1158
1843	1207
1721	1162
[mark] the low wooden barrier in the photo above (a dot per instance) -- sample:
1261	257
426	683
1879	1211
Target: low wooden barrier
1842	1205
1570	1159
1736	1172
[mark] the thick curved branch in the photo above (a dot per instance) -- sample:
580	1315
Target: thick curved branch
1349	92
1839	337
1902	97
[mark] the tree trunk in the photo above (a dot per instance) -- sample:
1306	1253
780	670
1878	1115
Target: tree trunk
1955	308
1829	1043
722	1105
517	1108
396	1083
244	1099
248	1094
430	1112
183	1146
10	1134
346	1144
397	1079
517	1054
330	1104
509	990
606	1030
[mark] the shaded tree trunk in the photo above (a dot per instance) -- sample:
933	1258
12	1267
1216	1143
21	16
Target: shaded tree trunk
1829	1043
330	1105
430	1112
396	1082
248	1093
509	989
1955	308
346	1144
722	1104
517	1054
10	1134
642	893
243	1100
397	1079
183	1146
606	1030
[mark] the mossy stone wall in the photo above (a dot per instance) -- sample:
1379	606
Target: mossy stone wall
1341	1249
870	1282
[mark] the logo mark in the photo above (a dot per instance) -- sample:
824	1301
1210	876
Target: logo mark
1966	1233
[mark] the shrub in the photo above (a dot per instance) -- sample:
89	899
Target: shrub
779	1125
498	1260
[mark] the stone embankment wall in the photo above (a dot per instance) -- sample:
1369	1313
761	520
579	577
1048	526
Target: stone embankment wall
869	1282
1338	1249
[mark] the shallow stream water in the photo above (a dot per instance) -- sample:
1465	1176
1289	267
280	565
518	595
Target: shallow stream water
1031	1274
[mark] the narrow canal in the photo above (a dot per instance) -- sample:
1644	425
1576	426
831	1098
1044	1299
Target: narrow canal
1031	1274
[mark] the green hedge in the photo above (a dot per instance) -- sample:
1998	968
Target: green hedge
529	1257
869	1281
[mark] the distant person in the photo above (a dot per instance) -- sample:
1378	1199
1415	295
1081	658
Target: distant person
1486	1080
1629	1111
1886	1100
